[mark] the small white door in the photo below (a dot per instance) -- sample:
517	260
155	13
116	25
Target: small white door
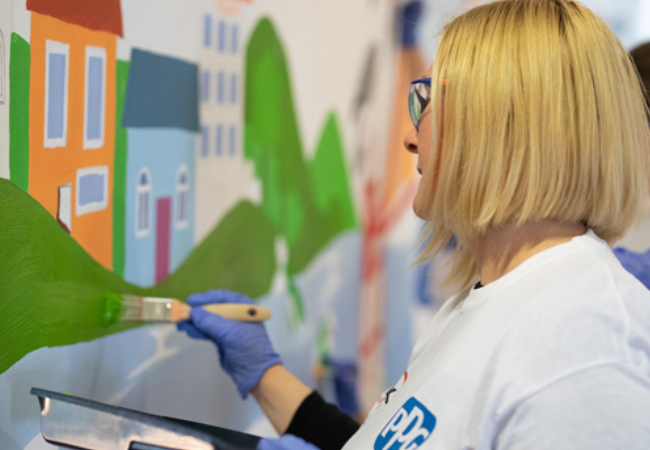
64	214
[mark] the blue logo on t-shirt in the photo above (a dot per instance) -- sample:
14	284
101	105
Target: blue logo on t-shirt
408	428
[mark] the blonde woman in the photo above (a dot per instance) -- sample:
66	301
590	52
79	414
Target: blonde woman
534	151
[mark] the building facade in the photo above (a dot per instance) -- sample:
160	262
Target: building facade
223	176
72	117
161	118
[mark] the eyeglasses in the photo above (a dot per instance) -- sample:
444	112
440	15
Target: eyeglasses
419	98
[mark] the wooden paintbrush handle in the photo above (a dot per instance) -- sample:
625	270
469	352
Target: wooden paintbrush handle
239	312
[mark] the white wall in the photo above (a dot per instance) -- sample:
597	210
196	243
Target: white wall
5	45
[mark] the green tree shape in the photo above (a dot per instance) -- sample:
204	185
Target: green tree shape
307	203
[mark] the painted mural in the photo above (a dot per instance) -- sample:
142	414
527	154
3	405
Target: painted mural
162	148
165	147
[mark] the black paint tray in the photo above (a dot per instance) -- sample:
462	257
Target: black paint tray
78	423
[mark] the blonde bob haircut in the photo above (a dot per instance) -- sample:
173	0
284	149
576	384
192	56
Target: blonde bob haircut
538	115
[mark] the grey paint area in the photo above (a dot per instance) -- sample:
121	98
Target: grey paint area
162	92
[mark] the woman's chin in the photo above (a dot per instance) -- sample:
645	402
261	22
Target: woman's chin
420	211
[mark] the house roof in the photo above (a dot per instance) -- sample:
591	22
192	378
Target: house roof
103	15
162	92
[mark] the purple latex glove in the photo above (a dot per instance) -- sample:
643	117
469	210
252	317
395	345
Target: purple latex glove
245	351
286	442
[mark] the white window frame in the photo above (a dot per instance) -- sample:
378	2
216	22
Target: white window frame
95	206
140	190
182	189
54	47
93	144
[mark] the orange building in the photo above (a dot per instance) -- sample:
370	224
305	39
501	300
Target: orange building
72	116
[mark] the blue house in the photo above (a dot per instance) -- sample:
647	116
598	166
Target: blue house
162	119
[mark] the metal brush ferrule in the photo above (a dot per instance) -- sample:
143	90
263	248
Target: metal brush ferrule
156	309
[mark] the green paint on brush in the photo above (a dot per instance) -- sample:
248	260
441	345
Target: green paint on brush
53	293
112	309
119	172
19	76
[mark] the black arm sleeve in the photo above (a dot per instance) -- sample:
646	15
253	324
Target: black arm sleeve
322	424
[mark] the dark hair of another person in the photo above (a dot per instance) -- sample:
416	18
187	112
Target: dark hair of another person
641	58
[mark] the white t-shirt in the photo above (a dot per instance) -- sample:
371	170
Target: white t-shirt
554	355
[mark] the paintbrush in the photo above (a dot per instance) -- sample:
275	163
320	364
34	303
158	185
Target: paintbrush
135	308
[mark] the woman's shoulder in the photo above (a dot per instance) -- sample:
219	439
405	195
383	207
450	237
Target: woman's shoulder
584	310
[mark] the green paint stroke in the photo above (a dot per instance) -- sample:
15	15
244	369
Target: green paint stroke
53	293
52	289
19	76
307	203
119	172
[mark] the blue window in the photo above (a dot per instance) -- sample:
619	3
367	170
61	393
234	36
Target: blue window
221	43
219	138
207	30
92	189
205	141
235	39
94	111
233	139
233	88
205	86
94	99
56	95
220	87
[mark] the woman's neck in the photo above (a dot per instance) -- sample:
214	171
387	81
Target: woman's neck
502	249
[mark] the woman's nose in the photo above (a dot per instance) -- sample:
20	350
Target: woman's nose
411	141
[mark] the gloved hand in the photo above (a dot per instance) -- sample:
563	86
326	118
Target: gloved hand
286	442
245	351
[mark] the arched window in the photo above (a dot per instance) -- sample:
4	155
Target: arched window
143	203
182	197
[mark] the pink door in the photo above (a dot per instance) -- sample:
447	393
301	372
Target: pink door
163	237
